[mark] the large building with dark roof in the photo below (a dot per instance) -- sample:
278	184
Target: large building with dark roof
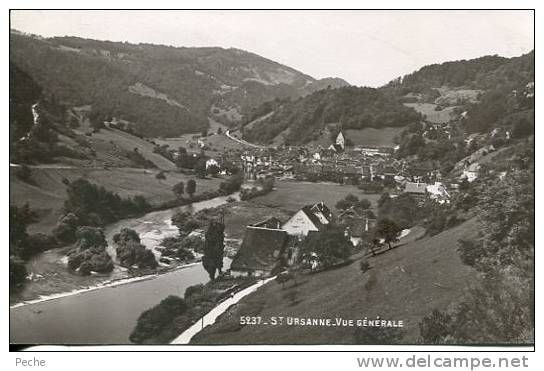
270	244
260	252
309	218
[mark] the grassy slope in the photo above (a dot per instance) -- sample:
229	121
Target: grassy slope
219	142
128	142
405	283
427	109
293	195
374	137
48	193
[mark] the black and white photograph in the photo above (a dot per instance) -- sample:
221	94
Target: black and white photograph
278	177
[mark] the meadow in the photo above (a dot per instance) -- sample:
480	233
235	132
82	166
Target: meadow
292	196
403	284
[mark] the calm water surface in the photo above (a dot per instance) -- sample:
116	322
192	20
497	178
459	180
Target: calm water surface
106	315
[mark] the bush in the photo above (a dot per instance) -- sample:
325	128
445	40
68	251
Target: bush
35	244
184	221
131	252
65	230
95	206
331	245
231	185
364	265
17	271
435	328
191	290
153	321
88	237
24	173
94	259
89	253
126	235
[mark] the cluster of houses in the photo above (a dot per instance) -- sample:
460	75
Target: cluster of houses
327	163
420	191
272	243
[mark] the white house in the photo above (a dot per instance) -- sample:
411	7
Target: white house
309	218
438	192
211	162
471	172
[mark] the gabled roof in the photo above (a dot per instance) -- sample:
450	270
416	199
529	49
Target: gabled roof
260	249
319	214
272	222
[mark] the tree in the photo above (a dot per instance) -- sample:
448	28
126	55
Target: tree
364	265
19	218
330	244
353	201
343	204
184	221
384	198
24	173
191	187
160	175
65	230
200	168
17	271
89	252
178	189
153	321
388	230
214	247
435	328
213	170
232	184
125	235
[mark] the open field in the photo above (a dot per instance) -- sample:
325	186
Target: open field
405	283
242	213
48	193
292	195
216	142
371	137
428	109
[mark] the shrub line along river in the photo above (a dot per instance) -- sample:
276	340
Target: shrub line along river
104	310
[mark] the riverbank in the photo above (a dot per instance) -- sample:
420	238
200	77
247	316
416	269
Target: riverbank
106	284
104	316
210	317
52	278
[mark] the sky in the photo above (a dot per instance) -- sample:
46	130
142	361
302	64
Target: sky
365	48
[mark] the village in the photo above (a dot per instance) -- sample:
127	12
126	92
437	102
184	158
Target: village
272	245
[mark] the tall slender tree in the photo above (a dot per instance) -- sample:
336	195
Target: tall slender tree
214	247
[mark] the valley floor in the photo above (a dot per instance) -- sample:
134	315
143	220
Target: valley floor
47	192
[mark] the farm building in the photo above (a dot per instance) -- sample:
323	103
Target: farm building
260	252
309	218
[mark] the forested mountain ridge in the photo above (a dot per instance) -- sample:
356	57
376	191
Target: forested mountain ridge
488	89
165	91
485	73
305	118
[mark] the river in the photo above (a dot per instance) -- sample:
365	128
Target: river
70	309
